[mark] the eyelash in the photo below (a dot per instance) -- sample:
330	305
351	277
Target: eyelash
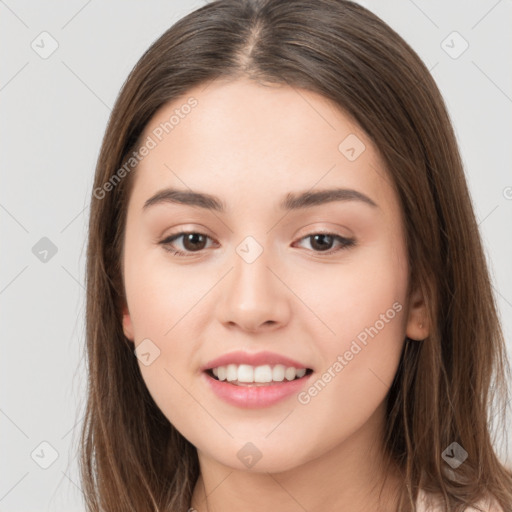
166	243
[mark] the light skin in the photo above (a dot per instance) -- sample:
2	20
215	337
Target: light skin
250	145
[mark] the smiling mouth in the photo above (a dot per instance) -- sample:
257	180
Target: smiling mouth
257	384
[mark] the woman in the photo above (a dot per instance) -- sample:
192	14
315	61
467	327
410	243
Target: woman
288	303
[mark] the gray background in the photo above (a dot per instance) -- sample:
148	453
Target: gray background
54	112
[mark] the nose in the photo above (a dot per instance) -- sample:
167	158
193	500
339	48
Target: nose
254	296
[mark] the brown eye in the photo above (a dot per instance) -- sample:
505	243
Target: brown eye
194	241
323	242
191	242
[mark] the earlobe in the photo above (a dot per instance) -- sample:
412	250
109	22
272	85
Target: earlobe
417	320
127	324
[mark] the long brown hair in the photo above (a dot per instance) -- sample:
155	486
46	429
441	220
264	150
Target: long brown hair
447	386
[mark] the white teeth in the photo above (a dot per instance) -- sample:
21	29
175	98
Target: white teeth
231	372
245	373
263	373
289	374
258	374
278	372
221	373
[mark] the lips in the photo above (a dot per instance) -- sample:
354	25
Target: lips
254	396
253	359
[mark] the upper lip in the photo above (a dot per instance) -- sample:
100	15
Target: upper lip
252	359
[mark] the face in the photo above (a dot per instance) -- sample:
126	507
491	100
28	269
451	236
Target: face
318	284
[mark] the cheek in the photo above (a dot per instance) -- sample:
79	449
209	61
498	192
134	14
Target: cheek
356	376
362	308
161	296
351	295
166	311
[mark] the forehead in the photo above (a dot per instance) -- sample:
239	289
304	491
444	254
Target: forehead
240	138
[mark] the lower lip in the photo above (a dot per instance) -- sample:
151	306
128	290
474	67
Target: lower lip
252	397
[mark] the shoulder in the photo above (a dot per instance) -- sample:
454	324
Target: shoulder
429	503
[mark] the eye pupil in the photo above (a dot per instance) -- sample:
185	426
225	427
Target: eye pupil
321	237
194	238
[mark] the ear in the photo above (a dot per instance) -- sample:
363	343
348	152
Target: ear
127	323
417	323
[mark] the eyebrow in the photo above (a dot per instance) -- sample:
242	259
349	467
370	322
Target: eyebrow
292	201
